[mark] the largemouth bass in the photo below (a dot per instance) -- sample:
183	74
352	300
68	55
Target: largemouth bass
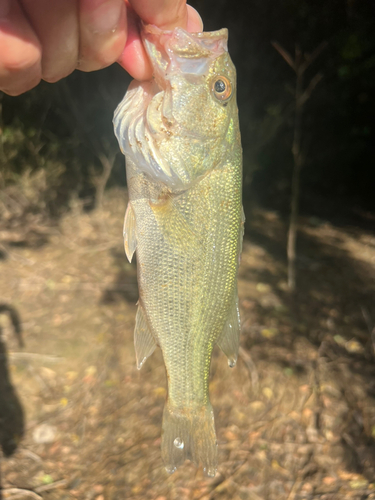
180	135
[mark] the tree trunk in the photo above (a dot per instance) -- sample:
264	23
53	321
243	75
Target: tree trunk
297	157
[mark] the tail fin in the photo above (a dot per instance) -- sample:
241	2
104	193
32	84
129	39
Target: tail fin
189	434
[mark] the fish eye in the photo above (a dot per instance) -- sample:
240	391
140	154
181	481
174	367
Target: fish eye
222	88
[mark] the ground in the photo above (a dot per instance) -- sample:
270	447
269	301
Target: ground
295	418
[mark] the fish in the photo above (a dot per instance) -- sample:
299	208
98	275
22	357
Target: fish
184	220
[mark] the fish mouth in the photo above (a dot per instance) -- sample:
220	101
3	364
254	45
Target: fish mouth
179	50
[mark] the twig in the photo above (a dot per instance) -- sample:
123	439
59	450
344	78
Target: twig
293	492
15	256
370	326
31	455
52	486
249	363
313	83
310	58
20	493
284	54
34	355
81	250
367	318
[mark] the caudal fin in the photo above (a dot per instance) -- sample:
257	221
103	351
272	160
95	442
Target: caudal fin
189	434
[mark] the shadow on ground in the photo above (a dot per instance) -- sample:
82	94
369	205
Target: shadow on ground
11	411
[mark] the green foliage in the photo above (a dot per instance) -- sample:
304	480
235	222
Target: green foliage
49	144
352	48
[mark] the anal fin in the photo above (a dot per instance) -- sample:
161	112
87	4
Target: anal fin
130	241
144	342
230	338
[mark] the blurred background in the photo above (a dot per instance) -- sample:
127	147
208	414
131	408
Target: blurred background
296	418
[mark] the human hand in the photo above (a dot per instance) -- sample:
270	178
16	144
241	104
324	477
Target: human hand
49	39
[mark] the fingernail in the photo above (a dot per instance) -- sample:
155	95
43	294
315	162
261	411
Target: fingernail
103	15
4	7
194	22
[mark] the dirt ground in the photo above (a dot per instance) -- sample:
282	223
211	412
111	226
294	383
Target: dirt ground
295	418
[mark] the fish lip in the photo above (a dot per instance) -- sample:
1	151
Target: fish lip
150	30
168	50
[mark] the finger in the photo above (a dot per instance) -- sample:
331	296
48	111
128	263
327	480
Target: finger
103	32
166	14
194	22
20	50
56	24
134	58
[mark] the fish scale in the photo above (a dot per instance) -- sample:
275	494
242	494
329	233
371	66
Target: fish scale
185	222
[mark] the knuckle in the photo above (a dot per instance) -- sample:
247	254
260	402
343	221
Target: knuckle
94	56
22	61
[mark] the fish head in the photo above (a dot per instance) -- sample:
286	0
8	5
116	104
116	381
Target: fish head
184	123
194	102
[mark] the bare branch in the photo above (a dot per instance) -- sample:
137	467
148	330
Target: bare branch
310	58
298	56
284	54
313	83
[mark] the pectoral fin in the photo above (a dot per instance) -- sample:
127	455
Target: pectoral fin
130	242
144	342
230	338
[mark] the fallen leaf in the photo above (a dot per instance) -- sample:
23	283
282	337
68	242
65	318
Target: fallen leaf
269	333
267	392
